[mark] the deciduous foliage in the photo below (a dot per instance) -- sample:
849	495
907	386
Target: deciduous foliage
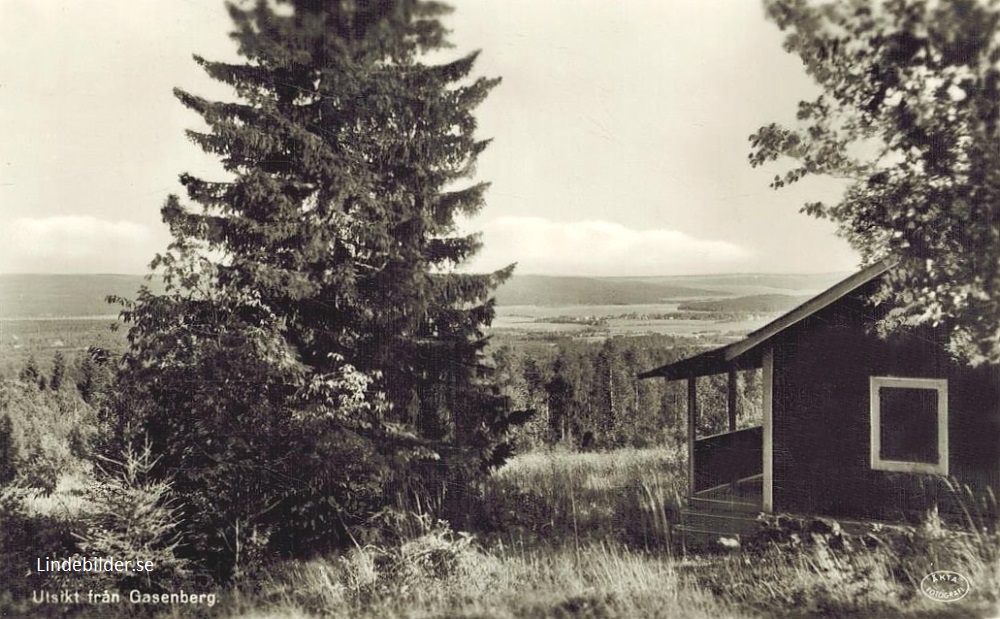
269	457
286	384
908	114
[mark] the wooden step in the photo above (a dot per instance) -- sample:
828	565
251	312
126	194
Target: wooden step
733	523
723	505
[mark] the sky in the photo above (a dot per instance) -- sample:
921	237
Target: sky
619	135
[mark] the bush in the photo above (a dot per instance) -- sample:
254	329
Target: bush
272	459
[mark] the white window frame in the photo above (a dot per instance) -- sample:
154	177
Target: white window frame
937	384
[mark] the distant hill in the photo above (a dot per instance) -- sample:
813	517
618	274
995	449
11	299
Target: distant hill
763	303
558	290
64	296
750	284
787	281
72	296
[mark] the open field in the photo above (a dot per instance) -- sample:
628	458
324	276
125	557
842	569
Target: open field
22	338
629	496
611	320
726	306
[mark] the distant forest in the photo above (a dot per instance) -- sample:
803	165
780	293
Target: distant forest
585	394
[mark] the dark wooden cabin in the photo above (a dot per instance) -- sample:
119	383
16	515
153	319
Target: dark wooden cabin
855	426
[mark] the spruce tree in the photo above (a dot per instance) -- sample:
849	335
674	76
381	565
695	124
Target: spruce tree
8	450
30	372
334	336
58	371
346	152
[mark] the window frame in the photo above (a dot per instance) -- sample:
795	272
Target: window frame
903	466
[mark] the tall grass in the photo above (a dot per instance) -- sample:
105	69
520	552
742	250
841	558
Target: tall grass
834	576
632	496
588	535
441	575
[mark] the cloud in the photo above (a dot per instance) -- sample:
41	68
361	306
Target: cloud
597	247
85	244
75	244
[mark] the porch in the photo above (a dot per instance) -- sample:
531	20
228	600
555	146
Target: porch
729	472
728	488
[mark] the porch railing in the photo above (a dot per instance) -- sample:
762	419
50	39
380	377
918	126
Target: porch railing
725	458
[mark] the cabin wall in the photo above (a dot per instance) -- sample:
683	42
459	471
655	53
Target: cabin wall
821	428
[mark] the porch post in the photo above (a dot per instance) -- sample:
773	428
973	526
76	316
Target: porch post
767	374
732	399
692	411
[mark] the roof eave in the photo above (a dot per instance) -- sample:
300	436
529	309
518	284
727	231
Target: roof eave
810	307
736	355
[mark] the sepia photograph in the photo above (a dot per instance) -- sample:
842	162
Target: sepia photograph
499	309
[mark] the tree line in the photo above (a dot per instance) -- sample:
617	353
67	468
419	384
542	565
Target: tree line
586	394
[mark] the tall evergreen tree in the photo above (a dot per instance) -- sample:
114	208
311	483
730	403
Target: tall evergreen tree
8	450
30	372
345	153
338	235
58	371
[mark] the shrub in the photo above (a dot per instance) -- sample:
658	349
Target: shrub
273	460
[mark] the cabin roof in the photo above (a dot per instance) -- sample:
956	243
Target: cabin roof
746	353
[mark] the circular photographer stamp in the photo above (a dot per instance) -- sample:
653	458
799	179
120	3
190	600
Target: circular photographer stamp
945	586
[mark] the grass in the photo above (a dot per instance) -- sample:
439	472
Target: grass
583	535
67	501
587	535
438	577
632	496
